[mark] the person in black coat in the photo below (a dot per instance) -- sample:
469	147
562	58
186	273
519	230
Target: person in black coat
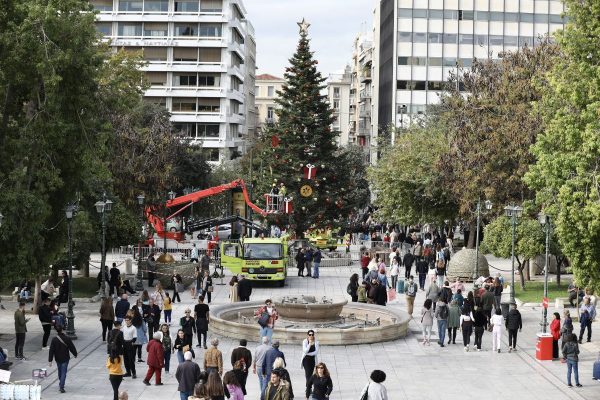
115	275
121	308
244	288
46	319
60	347
319	386
513	323
300	262
380	294
408	262
422	269
241	360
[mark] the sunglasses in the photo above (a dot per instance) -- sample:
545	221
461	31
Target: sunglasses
188	312
311	334
319	367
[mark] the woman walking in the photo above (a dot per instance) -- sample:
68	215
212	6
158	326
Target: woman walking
466	326
352	288
168	308
188	326
361	292
279	366
570	353
107	316
497	327
479	323
555	331
453	321
115	372
231	386
181	345
319	385
233	290
213	359
427	321
394	271
167	346
567	327
142	332
155	359
497	289
310	349
176	282
214	387
207	286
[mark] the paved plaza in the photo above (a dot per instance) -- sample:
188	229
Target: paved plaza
413	371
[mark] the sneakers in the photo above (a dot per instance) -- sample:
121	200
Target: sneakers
579	385
569	385
478	349
140	360
45	347
498	350
62	390
159	384
146	382
466	348
134	376
127	376
510	349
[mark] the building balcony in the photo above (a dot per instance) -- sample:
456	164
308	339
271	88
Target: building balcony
364	113
366	76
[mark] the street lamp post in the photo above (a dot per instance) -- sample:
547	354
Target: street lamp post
103	207
139	284
488	207
70	213
171	196
547	224
513	212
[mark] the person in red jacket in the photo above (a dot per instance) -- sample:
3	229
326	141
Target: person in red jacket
155	359
555	330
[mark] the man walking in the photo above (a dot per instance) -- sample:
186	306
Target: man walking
205	262
441	314
259	359
487	303
243	355
187	374
20	330
129	338
588	314
121	308
410	288
270	357
513	323
60	347
46	320
194	254
422	269
115	276
277	389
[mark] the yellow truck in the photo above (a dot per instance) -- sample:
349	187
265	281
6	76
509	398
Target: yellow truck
260	259
323	240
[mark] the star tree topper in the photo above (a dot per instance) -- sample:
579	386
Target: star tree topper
303	26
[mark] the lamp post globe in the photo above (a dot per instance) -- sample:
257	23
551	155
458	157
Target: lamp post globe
139	284
103	207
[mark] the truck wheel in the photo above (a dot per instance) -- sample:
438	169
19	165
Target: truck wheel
281	283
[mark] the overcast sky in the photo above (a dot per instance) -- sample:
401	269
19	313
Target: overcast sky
334	25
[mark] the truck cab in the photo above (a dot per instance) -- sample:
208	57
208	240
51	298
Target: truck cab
260	259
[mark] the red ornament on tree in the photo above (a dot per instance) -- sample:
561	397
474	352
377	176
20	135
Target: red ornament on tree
288	206
275	141
310	171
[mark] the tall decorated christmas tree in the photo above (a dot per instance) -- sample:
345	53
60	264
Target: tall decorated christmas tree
323	183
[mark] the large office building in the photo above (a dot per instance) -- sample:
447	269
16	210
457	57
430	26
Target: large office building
201	57
266	90
342	105
419	42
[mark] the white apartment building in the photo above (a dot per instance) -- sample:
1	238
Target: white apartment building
420	41
342	104
266	90
201	57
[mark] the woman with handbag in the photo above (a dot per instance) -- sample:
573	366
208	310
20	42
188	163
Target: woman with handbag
427	321
188	326
181	345
207	286
375	390
177	283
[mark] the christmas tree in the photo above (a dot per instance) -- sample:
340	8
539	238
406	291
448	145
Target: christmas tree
324	183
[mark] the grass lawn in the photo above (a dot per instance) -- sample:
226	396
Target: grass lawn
534	291
82	287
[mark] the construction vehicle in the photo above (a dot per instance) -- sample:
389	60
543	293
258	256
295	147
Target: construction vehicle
259	259
240	200
323	240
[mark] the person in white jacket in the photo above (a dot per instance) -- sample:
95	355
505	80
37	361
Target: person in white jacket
310	349
497	322
375	388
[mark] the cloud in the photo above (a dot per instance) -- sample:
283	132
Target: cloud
334	25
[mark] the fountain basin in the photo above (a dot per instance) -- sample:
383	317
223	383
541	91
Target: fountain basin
357	323
303	307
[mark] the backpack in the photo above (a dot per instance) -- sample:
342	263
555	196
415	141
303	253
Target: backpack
112	344
446	253
412	289
349	289
427	251
443	314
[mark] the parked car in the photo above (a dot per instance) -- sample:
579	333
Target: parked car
224	232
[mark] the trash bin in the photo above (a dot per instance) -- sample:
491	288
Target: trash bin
128	266
543	347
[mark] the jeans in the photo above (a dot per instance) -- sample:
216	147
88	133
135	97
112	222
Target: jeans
316	266
572	365
452	335
61	369
168	315
262	381
184	395
266	331
129	357
466	334
422	277
107	325
512	338
442	323
589	331
478	336
19	344
394	280
180	357
167	360
176	296
497	302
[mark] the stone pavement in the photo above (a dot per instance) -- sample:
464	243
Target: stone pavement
413	371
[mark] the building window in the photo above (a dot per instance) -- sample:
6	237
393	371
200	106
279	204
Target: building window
403	60
405	13
186	6
129	29
156	5
449	62
496	40
525	41
185	54
434	37
336	105
184	104
419	37
211	55
211	5
540	18
187	130
465	39
450	38
270	114
209	105
465	15
436	14
208	130
209	80
435	61
155	29
102	5
270	91
105	28
185	80
511	41
511	17
482	40
157	78
235	83
131	6
210	30
419	13
526	17
186	30
212	155
451	14
496	16
482	15
404	37
336	92
159	101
